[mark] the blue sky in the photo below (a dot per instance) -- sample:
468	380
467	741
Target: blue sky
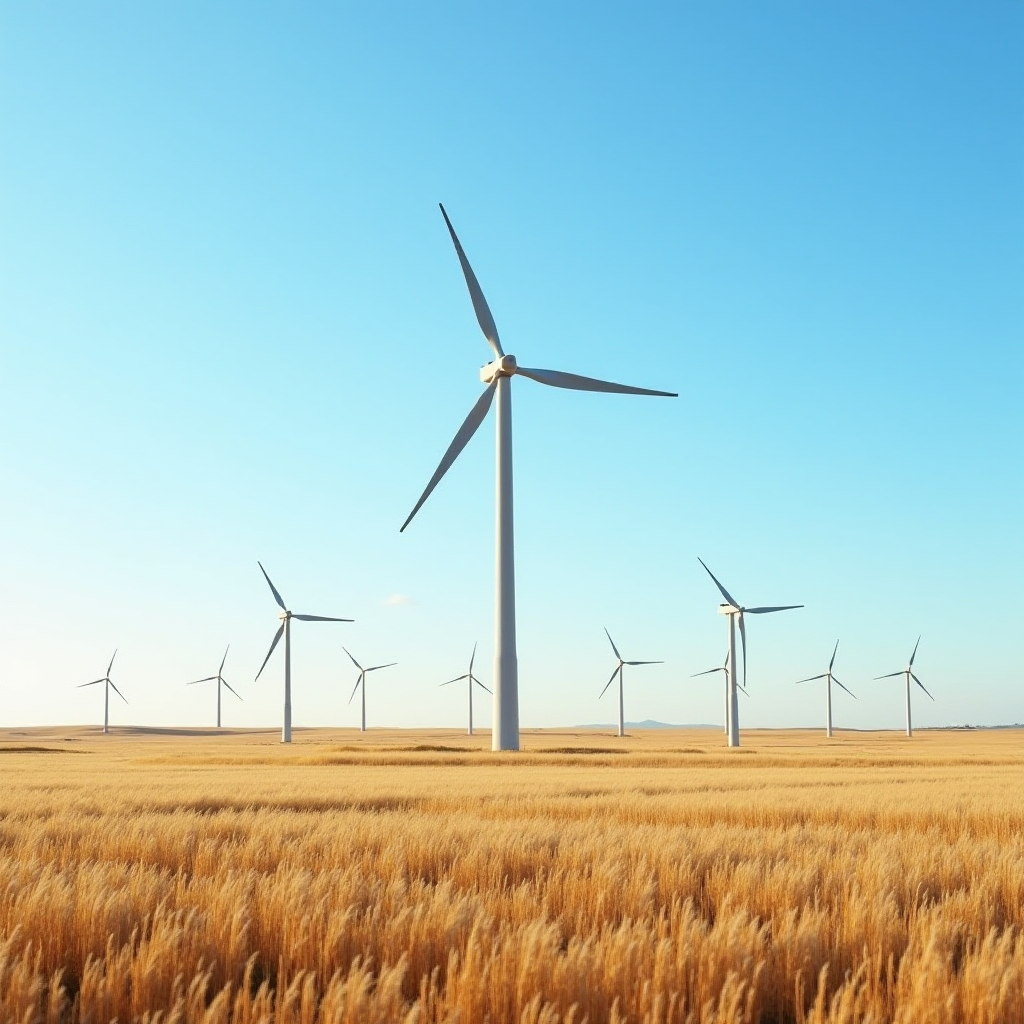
233	327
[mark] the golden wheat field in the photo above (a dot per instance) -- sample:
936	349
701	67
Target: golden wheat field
415	876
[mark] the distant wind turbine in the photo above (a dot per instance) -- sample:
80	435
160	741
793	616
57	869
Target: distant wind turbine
469	686
909	673
618	672
361	682
497	375
724	669
735	611
285	629
108	685
828	689
221	681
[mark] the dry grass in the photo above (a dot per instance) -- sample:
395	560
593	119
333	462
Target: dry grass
418	877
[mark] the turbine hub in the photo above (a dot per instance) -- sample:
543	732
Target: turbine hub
504	366
284	615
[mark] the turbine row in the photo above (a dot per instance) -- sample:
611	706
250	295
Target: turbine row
734	611
731	608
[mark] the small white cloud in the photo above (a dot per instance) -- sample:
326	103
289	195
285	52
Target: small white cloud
398	601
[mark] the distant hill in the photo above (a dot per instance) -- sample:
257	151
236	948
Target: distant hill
649	723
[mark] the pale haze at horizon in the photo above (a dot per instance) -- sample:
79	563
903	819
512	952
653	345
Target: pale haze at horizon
234	328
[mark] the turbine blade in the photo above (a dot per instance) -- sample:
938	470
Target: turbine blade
125	699
707	672
273	589
574	382
480	307
810	679
841	687
771	608
472	657
725	593
890	675
643	663
111	665
93	683
612	642
466	431
373	668
356	687
225	658
228	685
205	679
481	685
912	676
743	641
609	683
353	660
832	661
912	657
457	679
273	644
320	618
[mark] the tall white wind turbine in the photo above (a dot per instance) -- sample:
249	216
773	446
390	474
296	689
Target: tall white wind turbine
469	685
735	611
285	629
724	669
830	679
108	685
361	682
497	375
221	681
618	672
909	673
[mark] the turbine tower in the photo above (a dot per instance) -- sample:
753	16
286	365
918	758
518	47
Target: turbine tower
285	629
361	681
471	680
723	668
221	681
618	672
497	375
830	679
735	611
108	685
909	673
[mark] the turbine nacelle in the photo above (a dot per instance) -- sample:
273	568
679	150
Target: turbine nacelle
503	366
729	609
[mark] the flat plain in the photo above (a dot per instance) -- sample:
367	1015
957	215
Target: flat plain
191	875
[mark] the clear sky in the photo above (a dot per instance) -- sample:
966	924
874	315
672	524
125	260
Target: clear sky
233	328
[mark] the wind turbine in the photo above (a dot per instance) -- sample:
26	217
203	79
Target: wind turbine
909	673
735	611
828	689
108	684
361	682
471	680
285	628
723	668
497	375
618	672
221	681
